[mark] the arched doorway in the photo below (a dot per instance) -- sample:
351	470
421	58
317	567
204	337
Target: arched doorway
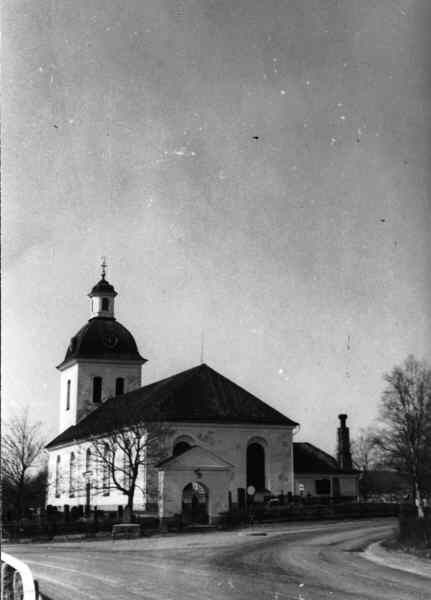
195	503
256	466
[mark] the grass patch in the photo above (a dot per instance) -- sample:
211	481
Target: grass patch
393	545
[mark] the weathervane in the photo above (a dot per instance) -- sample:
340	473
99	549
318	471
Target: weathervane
103	265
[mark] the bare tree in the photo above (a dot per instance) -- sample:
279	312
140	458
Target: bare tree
365	450
405	437
127	455
367	457
22	461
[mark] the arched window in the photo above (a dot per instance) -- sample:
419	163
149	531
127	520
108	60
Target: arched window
57	477
119	386
105	303
105	474
180	448
97	389
72	474
181	444
88	460
68	395
256	466
126	471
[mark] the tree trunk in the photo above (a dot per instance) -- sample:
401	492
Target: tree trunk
129	507
20	500
418	502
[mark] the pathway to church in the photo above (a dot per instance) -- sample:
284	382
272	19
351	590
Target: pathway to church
280	562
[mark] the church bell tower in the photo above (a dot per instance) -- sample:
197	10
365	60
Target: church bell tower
101	361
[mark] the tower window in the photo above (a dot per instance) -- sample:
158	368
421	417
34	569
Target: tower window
97	389
119	386
68	395
105	304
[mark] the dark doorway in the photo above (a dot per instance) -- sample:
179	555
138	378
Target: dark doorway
195	503
256	466
323	486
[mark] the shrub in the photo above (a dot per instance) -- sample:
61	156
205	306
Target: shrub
415	532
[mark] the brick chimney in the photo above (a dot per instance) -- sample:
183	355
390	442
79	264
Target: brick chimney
344	456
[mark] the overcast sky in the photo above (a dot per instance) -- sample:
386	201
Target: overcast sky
257	170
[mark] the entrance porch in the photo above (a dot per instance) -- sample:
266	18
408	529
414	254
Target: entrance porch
194	487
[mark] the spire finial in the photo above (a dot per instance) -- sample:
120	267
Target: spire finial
103	265
202	346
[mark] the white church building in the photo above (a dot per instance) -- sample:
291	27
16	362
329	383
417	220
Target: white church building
221	444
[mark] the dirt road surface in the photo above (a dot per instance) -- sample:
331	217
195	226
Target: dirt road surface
282	562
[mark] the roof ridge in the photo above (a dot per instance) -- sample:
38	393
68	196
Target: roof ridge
199	395
319	450
243	389
161	382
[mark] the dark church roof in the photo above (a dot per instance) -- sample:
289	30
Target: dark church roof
310	459
198	395
103	338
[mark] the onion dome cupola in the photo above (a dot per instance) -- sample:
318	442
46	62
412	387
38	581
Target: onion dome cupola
103	337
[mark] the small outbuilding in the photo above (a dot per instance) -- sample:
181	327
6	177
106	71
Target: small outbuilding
317	473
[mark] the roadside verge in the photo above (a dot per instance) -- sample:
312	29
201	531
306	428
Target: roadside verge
397	560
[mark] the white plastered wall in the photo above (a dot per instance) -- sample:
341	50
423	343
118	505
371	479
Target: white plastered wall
67	418
112	501
230	442
348	484
81	377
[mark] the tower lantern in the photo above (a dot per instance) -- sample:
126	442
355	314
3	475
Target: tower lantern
102	296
